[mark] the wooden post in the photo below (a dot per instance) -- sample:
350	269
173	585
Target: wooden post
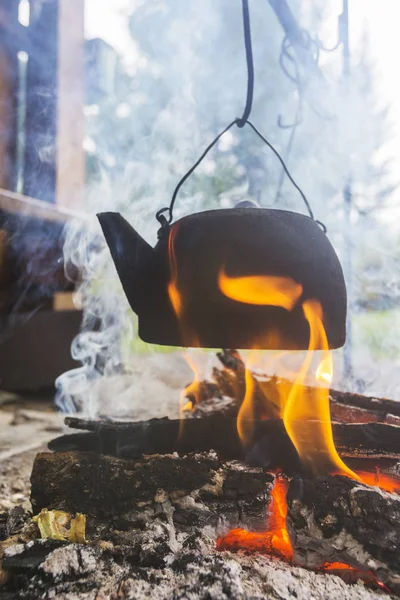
41	101
70	118
8	92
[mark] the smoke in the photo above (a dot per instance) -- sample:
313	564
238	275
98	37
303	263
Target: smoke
187	83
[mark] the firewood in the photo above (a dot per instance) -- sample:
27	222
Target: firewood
198	488
338	520
270	448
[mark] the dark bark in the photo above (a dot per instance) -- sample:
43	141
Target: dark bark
375	444
198	489
336	519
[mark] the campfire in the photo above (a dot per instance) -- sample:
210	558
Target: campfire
269	484
254	473
187	499
304	410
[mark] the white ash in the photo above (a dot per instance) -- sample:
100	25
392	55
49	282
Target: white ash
73	572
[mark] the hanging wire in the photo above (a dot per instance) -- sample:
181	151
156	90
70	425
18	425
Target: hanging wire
240	122
293	128
286	45
296	79
284	167
290	66
288	62
250	66
169	209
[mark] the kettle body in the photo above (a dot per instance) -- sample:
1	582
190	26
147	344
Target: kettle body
241	242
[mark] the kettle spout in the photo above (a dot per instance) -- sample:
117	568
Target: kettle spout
131	254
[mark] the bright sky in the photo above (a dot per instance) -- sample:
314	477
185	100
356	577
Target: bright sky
105	18
382	19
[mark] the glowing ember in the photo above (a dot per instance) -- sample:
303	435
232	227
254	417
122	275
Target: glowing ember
352	574
277	521
275	540
384	482
337	566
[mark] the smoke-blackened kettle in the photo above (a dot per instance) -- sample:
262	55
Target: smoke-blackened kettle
240	242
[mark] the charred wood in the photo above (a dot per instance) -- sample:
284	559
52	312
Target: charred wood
192	491
271	447
338	520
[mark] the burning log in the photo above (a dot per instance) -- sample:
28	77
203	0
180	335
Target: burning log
194	490
339	521
371	443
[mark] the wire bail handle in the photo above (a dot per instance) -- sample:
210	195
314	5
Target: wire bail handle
240	122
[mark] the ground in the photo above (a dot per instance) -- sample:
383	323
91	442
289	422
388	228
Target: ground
26	425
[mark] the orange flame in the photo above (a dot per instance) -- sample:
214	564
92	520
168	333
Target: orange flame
261	289
190	396
384	482
271	391
306	411
173	290
246	411
188	337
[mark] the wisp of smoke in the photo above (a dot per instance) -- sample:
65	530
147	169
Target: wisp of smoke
189	84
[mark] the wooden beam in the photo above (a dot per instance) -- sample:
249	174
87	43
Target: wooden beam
23	206
70	119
